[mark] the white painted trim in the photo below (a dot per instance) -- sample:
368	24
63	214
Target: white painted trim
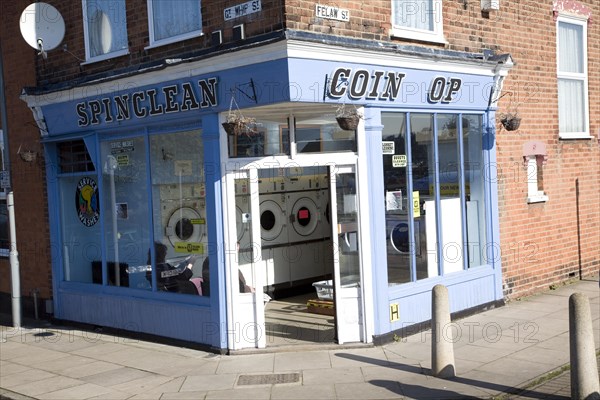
106	56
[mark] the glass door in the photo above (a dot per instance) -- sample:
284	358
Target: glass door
346	254
245	271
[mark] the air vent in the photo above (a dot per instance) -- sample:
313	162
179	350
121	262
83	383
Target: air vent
239	33
216	38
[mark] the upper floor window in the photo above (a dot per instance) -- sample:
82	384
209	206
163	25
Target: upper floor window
571	53
418	20
105	29
171	21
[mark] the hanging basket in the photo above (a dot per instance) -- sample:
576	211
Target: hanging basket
348	123
511	122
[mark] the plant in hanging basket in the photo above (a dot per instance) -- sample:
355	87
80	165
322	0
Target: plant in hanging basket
510	121
237	124
348	117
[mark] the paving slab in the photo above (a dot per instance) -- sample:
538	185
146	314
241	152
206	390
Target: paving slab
330	376
183	395
208	382
85	391
374	389
92	368
358	357
323	392
46	385
263	393
245	363
115	376
295	361
24	377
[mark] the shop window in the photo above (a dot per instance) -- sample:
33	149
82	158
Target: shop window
172	21
4	227
573	107
105	29
435	219
179	213
418	20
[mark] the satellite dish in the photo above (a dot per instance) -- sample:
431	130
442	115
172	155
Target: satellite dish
42	27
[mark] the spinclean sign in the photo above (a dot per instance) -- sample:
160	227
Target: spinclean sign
331	12
243	9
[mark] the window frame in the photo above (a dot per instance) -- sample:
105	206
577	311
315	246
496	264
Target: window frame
173	39
581	77
435	36
86	36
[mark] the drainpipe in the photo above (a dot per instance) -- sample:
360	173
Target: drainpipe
14	255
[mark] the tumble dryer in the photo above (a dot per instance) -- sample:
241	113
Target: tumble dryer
398	234
272	219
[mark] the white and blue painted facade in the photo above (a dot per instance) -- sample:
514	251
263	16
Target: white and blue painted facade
129	120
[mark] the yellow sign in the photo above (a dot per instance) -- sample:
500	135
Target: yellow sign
187	247
416	205
394	312
122	160
198	221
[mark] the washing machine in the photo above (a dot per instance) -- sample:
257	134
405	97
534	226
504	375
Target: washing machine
273	224
182	213
304	215
398	234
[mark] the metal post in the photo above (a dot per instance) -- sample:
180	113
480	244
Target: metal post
14	263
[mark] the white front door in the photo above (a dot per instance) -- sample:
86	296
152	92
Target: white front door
245	270
346	254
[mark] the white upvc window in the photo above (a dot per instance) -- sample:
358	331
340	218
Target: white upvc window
171	21
418	20
571	56
105	29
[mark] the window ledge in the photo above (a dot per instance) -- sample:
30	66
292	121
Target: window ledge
174	39
421	36
583	136
106	56
538	198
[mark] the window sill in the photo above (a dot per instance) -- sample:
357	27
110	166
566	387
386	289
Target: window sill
579	136
106	56
421	36
538	198
174	39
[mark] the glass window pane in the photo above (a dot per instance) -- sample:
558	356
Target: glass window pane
414	14
449	189
106	26
266	138
175	18
474	190
179	213
570	45
424	191
398	240
4	229
571	105
125	209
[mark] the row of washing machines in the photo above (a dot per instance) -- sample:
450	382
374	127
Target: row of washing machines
295	227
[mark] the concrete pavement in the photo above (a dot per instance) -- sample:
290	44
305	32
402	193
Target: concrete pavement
501	353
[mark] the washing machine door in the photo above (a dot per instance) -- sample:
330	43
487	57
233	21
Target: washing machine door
304	219
271	222
400	237
185	225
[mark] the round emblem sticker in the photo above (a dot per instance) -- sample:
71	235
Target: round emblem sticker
86	201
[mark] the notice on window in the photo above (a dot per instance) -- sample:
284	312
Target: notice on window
393	200
388	147
416	205
399	161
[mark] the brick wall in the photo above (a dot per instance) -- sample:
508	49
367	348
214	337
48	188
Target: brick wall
28	178
67	65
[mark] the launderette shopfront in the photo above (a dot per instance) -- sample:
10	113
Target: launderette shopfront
163	223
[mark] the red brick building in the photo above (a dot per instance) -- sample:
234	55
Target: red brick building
543	178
